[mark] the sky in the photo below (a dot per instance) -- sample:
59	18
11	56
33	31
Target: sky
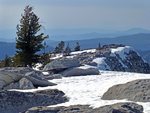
103	14
79	14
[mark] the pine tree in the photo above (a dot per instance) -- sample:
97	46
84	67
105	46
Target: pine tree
99	46
77	48
67	50
44	47
7	61
60	47
45	58
27	42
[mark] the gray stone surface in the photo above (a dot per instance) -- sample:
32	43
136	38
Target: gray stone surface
132	62
138	90
15	102
8	77
21	84
54	76
39	82
77	71
38	79
25	84
35	74
115	108
19	70
60	64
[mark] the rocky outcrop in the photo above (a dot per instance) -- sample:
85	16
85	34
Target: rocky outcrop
115	58
134	60
115	108
138	90
19	70
131	63
15	102
61	64
38	80
111	57
35	74
8	77
79	71
21	84
54	76
22	78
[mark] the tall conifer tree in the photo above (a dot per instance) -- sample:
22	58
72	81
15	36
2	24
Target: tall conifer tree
28	41
67	50
60	47
7	61
77	48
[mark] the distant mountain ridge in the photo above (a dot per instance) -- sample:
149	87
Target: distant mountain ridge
75	34
138	41
98	34
7	48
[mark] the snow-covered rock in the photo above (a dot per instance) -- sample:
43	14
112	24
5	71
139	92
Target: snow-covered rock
101	64
113	57
123	58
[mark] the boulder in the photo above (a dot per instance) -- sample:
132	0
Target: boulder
115	108
54	76
38	79
8	77
35	74
39	82
60	64
138	90
79	71
21	84
19	70
16	102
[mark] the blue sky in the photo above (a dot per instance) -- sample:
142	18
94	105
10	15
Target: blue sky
70	14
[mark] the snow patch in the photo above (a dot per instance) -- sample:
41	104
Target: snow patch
86	67
37	66
121	51
84	51
69	57
88	90
123	64
56	56
45	73
72	54
101	64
